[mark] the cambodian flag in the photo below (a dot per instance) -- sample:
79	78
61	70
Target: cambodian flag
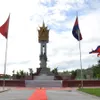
76	31
97	50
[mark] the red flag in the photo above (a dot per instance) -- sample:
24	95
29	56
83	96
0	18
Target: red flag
4	28
98	55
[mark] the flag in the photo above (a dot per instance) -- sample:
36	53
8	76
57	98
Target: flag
4	28
97	50
76	31
98	55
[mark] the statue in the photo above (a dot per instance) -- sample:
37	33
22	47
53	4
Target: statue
43	38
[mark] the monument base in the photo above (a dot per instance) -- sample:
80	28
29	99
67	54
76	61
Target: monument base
44	74
43	77
45	71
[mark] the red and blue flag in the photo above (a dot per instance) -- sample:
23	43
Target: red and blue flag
76	31
97	50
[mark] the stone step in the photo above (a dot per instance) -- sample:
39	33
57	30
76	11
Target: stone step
43	83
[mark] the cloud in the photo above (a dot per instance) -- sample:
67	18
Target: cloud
63	48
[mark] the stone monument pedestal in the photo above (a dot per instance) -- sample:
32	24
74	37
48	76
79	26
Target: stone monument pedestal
46	71
44	77
44	74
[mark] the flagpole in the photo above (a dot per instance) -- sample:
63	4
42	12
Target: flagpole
5	63
80	55
81	64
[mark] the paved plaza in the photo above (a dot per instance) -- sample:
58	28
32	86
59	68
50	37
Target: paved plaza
16	93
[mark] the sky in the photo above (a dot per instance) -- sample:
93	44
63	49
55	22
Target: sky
26	16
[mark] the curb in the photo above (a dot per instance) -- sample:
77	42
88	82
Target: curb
4	90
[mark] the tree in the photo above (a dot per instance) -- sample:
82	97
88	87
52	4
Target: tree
64	73
55	71
22	74
13	76
96	70
99	63
73	74
30	71
13	72
17	75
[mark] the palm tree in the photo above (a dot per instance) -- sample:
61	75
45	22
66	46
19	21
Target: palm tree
55	71
30	71
17	75
22	74
13	74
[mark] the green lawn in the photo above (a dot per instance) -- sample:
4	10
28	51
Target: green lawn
93	91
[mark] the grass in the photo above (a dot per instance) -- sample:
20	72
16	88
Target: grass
93	91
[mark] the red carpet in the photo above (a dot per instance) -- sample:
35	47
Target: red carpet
39	94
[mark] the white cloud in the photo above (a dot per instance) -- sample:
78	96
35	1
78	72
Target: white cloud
63	49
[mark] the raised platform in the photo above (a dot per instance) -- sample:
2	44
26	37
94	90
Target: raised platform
43	83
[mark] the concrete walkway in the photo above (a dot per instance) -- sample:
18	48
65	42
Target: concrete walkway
52	93
69	95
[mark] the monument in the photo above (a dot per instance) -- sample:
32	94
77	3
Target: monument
43	39
43	77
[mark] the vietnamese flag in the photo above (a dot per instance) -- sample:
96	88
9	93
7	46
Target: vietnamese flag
4	28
